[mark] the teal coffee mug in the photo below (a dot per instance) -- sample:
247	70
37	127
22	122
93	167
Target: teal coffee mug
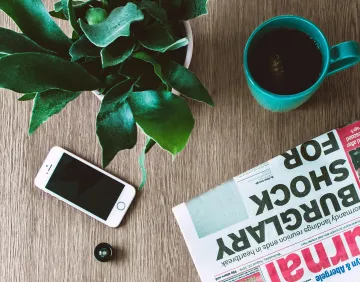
334	59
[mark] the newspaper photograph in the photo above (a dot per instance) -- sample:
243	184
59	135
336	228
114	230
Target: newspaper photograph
293	218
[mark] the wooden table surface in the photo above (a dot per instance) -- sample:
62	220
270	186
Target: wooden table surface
43	239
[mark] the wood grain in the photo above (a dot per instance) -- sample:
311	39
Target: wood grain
43	239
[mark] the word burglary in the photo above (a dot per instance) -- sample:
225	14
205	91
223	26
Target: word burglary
292	219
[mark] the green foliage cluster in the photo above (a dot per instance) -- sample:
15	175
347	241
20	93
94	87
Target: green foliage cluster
127	50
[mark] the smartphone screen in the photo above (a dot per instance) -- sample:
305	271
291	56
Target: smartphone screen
84	186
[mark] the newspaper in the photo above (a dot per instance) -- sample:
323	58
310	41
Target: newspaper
293	218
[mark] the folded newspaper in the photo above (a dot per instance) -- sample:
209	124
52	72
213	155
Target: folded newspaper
293	218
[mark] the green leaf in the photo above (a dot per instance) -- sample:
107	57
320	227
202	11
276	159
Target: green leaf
105	3
183	10
115	124
117	52
96	16
35	22
184	81
157	38
148	145
49	103
120	91
74	36
37	72
164	117
12	42
59	15
116	25
65	9
83	48
149	59
81	9
149	80
58	6
69	12
134	68
154	10
113	79
79	6
93	66
27	97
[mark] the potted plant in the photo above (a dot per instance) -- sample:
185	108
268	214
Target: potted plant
130	52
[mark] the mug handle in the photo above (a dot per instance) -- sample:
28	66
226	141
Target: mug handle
343	56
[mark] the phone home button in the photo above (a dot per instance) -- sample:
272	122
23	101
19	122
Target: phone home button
120	206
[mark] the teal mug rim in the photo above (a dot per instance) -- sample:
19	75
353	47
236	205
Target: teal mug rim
295	95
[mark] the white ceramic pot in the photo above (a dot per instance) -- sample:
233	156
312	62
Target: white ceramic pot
188	57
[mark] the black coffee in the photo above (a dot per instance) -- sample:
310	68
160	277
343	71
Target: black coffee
285	61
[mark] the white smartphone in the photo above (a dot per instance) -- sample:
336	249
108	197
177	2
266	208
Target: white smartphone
85	186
